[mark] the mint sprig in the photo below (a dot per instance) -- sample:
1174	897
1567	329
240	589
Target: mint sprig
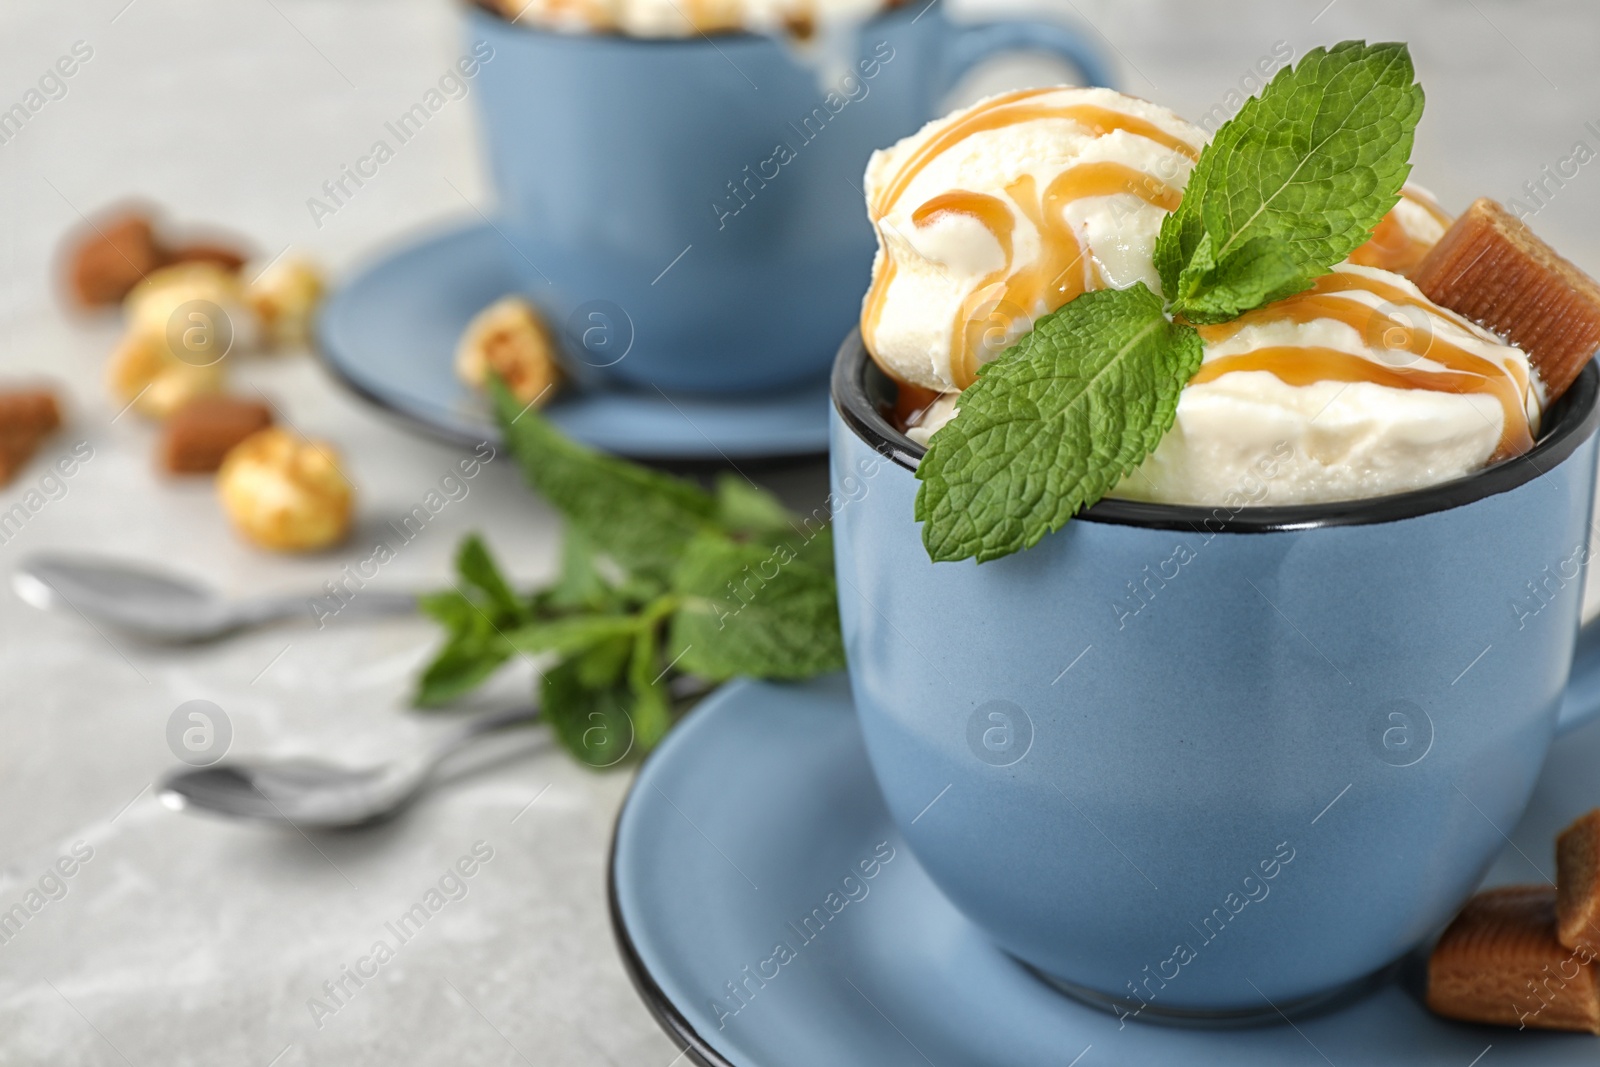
1053	424
1292	184
664	588
1287	188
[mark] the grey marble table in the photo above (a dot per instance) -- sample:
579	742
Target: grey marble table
179	940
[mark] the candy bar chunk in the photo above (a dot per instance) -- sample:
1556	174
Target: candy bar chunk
1578	884
113	256
1490	267
1500	962
199	434
28	412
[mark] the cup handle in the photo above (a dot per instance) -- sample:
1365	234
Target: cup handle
1582	701
972	44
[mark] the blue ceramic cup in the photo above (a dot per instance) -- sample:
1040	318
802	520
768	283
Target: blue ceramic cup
1210	763
690	211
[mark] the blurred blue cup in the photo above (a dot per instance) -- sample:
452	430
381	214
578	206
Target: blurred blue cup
689	212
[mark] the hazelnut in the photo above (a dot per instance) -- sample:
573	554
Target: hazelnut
199	307
143	372
509	338
285	493
284	298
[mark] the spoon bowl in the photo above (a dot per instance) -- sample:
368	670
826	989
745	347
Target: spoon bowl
131	599
313	794
156	606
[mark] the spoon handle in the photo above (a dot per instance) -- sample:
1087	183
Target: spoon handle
494	720
323	610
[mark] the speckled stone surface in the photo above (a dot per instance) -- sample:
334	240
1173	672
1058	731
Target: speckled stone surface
189	941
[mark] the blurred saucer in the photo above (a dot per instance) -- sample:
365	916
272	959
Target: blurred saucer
760	812
390	335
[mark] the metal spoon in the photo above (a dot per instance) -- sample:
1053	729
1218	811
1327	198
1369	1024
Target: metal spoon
313	794
156	606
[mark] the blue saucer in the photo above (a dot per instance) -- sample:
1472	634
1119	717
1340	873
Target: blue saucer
760	810
390	335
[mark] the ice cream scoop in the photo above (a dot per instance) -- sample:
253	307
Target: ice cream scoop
1004	211
1360	387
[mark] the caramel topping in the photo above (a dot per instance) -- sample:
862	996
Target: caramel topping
1009	110
1059	274
1062	271
1392	246
1384	327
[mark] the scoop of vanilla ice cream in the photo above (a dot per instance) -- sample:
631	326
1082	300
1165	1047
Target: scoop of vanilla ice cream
1025	168
1249	438
684	18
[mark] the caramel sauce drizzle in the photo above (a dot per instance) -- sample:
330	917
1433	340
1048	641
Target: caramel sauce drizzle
1392	246
1060	273
1301	365
999	114
1061	254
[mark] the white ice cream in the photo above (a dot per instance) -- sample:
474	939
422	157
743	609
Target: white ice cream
939	268
686	18
1248	438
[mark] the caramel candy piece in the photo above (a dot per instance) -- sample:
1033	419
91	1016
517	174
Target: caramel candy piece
1490	267
30	412
27	417
1578	884
1500	962
112	257
199	434
15	451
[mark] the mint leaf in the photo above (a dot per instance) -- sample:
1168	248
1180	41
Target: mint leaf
743	508
581	585
754	609
460	667
640	518
571	635
472	652
478	570
652	709
1053	423
1313	164
592	722
602	663
1262	271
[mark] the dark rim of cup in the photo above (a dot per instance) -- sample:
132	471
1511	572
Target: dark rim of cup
861	392
898	8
